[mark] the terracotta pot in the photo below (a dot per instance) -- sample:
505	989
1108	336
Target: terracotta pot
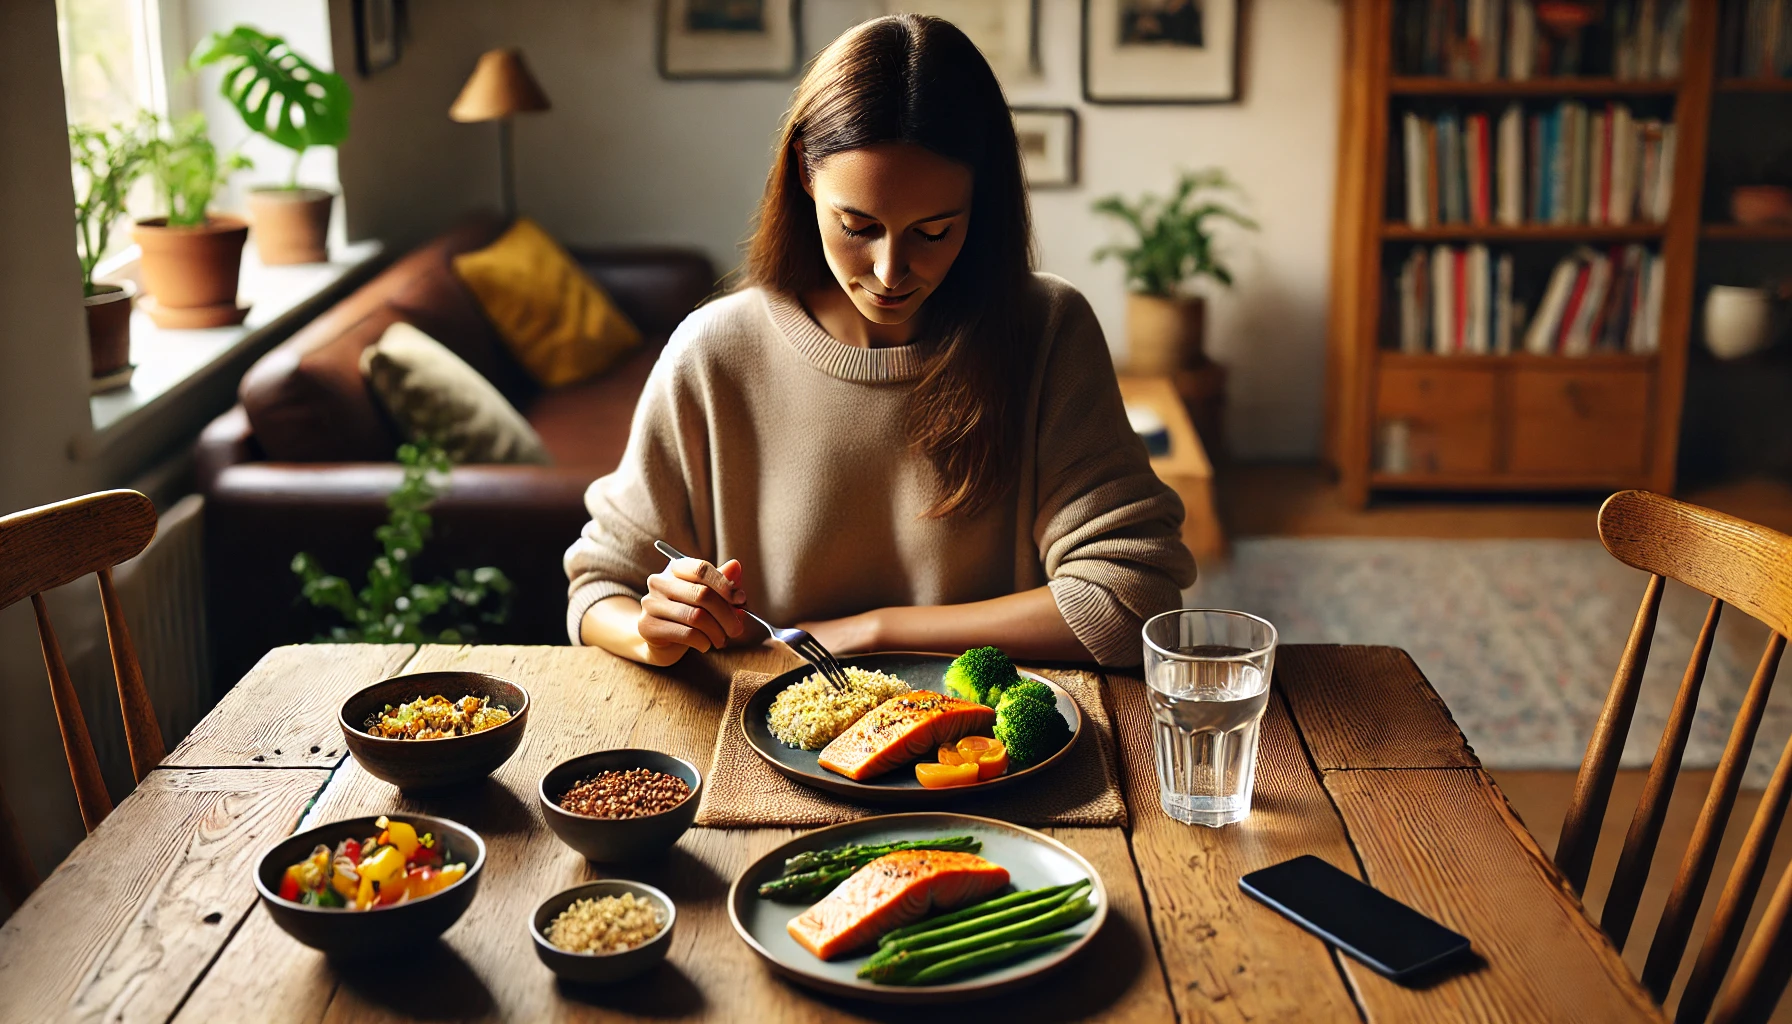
108	328
1761	204
1164	335
191	268
290	224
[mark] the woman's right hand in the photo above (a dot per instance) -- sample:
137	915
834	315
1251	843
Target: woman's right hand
691	604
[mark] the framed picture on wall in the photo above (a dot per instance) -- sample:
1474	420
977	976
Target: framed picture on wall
1160	51
1007	31
1048	145
376	34
728	38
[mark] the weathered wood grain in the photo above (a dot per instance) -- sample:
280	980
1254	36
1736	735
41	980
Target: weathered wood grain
283	713
584	700
1368	707
1445	843
121	929
1226	956
1737	561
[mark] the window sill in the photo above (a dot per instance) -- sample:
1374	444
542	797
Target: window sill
170	362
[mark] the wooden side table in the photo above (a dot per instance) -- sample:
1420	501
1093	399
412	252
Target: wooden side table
1185	468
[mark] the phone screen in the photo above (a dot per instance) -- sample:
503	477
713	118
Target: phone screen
1387	935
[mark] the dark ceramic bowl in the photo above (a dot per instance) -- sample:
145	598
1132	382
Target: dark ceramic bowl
341	932
600	968
432	764
618	839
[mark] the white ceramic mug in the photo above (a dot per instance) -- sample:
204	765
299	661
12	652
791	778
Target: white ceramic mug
1736	321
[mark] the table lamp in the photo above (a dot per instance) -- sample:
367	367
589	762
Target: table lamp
500	88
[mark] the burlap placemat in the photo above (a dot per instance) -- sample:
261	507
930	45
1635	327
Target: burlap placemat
742	791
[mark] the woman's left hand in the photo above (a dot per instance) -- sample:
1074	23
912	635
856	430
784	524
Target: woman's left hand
854	634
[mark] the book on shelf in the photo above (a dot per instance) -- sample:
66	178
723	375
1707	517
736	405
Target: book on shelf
1755	39
1565	165
1486	40
1464	300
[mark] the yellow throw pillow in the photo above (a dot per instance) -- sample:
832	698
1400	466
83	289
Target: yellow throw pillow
556	321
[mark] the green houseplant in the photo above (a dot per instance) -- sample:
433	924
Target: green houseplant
191	257
106	163
292	102
393	608
1172	248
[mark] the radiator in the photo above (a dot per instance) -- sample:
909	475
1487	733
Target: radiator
163	594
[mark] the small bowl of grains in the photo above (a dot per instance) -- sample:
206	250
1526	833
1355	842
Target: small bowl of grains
602	932
621	805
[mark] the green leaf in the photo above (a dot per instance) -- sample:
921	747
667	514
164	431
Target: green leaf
278	93
1173	242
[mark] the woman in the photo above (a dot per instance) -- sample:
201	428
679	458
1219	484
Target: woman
897	436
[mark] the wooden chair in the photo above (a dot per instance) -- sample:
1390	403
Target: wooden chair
41	549
1749	568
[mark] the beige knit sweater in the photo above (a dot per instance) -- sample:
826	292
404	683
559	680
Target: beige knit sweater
760	437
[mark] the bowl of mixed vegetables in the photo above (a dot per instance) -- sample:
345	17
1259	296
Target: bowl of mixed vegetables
428	730
368	884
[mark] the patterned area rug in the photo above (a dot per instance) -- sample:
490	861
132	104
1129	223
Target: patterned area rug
1521	637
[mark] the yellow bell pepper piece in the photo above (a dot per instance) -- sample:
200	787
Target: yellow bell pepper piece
400	835
382	867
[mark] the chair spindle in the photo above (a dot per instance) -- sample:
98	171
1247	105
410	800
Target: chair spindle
1652	808
1766	965
84	765
17	877
141	733
1701	854
1593	787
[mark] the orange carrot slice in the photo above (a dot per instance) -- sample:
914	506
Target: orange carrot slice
945	776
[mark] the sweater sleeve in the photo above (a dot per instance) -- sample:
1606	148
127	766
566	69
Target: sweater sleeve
1109	532
658	491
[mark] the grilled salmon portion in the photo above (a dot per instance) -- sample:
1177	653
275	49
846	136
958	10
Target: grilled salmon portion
902	729
894	890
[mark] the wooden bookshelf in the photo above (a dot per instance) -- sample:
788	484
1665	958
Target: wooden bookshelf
1754	85
1489	422
1551	86
1747	232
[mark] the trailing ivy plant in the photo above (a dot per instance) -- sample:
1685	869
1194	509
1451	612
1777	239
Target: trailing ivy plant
187	168
393	608
1174	240
279	93
107	162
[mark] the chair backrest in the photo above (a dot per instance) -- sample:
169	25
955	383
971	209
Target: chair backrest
45	547
1749	568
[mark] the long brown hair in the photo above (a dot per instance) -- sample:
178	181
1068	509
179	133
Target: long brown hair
917	79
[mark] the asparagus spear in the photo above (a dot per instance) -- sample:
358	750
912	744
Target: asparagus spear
857	853
994	956
807	886
988	922
976	910
902	967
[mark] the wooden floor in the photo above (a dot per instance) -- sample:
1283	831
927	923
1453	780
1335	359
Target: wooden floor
1302	501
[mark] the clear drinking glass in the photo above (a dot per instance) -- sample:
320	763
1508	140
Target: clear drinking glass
1207	677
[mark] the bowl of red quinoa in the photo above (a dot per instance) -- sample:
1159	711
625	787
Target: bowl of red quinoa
621	805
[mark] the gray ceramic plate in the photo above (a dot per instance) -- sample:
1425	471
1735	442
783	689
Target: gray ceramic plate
921	671
1033	860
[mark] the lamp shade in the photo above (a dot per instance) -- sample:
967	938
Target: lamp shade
500	86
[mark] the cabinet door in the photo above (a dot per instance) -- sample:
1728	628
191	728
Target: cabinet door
1434	421
1580	422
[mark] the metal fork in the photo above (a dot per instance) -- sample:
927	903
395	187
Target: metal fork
799	641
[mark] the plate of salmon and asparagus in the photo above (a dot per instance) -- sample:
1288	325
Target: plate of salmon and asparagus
912	729
919	907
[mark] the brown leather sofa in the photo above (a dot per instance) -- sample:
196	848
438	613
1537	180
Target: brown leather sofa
305	462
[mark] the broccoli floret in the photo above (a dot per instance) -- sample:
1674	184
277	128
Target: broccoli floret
1030	728
975	672
1019	687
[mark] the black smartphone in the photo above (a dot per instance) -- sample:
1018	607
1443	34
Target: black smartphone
1387	935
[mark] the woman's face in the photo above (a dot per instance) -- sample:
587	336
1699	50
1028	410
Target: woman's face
893	218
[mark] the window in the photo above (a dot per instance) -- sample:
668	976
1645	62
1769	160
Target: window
111	60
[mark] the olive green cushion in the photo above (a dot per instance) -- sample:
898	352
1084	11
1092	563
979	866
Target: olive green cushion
432	394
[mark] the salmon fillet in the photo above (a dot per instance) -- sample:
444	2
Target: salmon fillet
894	890
902	729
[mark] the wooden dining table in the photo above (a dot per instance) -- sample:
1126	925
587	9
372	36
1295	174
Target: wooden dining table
154	916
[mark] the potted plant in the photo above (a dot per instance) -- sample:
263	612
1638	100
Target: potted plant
107	162
1165	321
191	257
289	100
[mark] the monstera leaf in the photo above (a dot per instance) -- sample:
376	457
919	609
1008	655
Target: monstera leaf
279	93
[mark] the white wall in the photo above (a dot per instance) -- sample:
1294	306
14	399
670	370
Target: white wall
627	157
